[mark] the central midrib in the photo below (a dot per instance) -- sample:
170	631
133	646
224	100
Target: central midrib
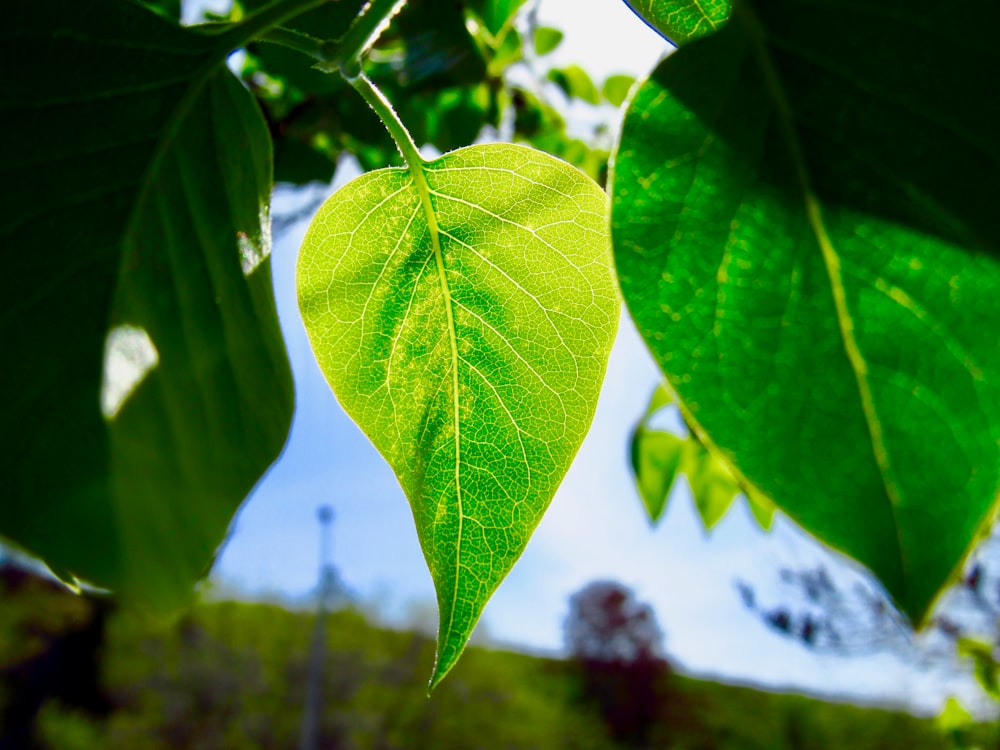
831	261
423	190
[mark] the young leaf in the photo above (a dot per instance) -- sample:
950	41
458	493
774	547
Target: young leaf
656	460
616	88
682	21
659	456
575	82
146	387
546	39
805	233
465	325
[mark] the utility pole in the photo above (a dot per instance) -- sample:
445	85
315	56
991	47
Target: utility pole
317	654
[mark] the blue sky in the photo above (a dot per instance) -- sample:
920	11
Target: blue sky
595	527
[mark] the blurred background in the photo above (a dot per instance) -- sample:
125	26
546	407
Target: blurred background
713	627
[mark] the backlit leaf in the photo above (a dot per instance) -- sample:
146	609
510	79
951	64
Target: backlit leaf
466	327
805	232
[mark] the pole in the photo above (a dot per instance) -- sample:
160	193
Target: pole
309	739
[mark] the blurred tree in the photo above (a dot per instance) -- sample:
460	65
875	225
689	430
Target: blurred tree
617	643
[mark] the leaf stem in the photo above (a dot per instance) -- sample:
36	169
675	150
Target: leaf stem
367	27
377	101
266	19
296	40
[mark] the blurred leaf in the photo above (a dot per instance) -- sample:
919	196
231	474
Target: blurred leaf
546	39
762	510
712	486
575	83
656	460
616	88
659	456
496	15
806	236
954	717
495	278
147	388
167	8
438	49
984	664
682	21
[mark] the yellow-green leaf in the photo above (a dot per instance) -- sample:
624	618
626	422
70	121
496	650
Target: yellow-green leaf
464	321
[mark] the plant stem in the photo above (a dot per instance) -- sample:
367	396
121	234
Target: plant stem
273	15
377	101
347	50
297	41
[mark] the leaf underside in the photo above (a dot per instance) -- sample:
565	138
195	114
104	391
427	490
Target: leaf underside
146	386
805	234
468	337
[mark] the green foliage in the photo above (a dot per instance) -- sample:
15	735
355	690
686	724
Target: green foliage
804	230
148	387
546	39
658	456
490	268
819	281
616	88
575	83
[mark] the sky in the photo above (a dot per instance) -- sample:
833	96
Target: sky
595	527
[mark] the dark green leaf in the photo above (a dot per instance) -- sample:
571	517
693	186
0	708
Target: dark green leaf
329	21
465	324
805	232
496	15
146	386
682	21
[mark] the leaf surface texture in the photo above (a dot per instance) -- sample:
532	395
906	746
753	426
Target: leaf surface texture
466	329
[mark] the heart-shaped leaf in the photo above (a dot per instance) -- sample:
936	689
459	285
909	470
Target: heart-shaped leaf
805	232
465	325
145	385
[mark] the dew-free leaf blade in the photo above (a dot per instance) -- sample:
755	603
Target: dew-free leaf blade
805	234
682	21
656	460
466	331
146	387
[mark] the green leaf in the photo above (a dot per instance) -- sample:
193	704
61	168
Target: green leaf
656	460
496	15
682	21
146	387
546	39
712	486
465	326
616	88
805	234
575	83
659	456
762	511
